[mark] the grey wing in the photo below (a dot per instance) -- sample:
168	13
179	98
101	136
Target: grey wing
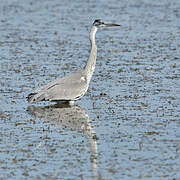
67	88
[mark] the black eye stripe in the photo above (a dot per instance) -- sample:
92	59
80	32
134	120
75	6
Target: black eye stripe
97	21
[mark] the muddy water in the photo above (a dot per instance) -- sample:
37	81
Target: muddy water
127	126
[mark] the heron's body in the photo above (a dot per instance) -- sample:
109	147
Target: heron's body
72	87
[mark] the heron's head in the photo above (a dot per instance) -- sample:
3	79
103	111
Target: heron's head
100	23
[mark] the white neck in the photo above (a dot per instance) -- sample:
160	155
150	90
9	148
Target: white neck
93	34
90	66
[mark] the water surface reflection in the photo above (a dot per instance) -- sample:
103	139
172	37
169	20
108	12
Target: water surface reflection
72	118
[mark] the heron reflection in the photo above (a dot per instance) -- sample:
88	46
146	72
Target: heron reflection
71	118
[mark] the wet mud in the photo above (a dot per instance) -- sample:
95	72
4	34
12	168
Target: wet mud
127	126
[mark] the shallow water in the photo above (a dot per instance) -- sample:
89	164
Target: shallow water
127	126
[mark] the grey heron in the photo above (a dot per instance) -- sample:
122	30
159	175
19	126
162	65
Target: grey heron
73	87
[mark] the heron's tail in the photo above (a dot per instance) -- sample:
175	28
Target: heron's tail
35	97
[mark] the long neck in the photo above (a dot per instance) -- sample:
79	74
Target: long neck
90	66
